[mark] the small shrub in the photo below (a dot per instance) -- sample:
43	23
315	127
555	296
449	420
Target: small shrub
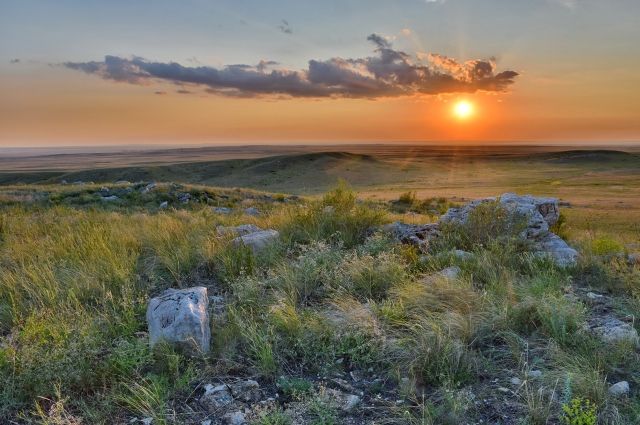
295	388
606	246
276	417
579	411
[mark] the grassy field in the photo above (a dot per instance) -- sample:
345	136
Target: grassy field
503	342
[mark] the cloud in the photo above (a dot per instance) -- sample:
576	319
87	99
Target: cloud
389	72
16	60
285	27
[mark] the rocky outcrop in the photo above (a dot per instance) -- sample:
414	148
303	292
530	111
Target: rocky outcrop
539	215
180	317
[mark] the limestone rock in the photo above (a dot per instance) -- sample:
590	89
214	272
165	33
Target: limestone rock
463	255
613	330
450	273
557	249
257	241
222	210
180	317
619	389
241	230
419	235
246	390
234	418
216	397
148	188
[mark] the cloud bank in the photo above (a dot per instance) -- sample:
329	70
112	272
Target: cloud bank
388	73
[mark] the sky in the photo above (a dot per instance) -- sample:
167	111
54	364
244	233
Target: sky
88	72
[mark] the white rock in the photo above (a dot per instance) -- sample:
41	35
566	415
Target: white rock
164	205
257	241
619	389
147	421
110	198
516	381
180	317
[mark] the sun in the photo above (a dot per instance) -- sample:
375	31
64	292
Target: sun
463	109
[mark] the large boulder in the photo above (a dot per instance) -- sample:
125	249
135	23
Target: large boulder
257	241
180	317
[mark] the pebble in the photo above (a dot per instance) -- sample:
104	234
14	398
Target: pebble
516	381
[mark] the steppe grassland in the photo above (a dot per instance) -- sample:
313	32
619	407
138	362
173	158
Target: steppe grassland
76	278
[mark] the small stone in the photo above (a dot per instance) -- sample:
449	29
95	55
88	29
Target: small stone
594	296
216	397
535	373
451	273
164	205
463	255
110	198
184	198
148	188
247	390
516	381
147	421
329	209
222	210
234	418
251	211
351	401
206	422
619	389
504	390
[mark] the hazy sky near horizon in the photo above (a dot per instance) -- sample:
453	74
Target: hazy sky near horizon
82	72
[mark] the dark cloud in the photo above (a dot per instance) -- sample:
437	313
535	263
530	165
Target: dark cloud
285	27
389	72
16	60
